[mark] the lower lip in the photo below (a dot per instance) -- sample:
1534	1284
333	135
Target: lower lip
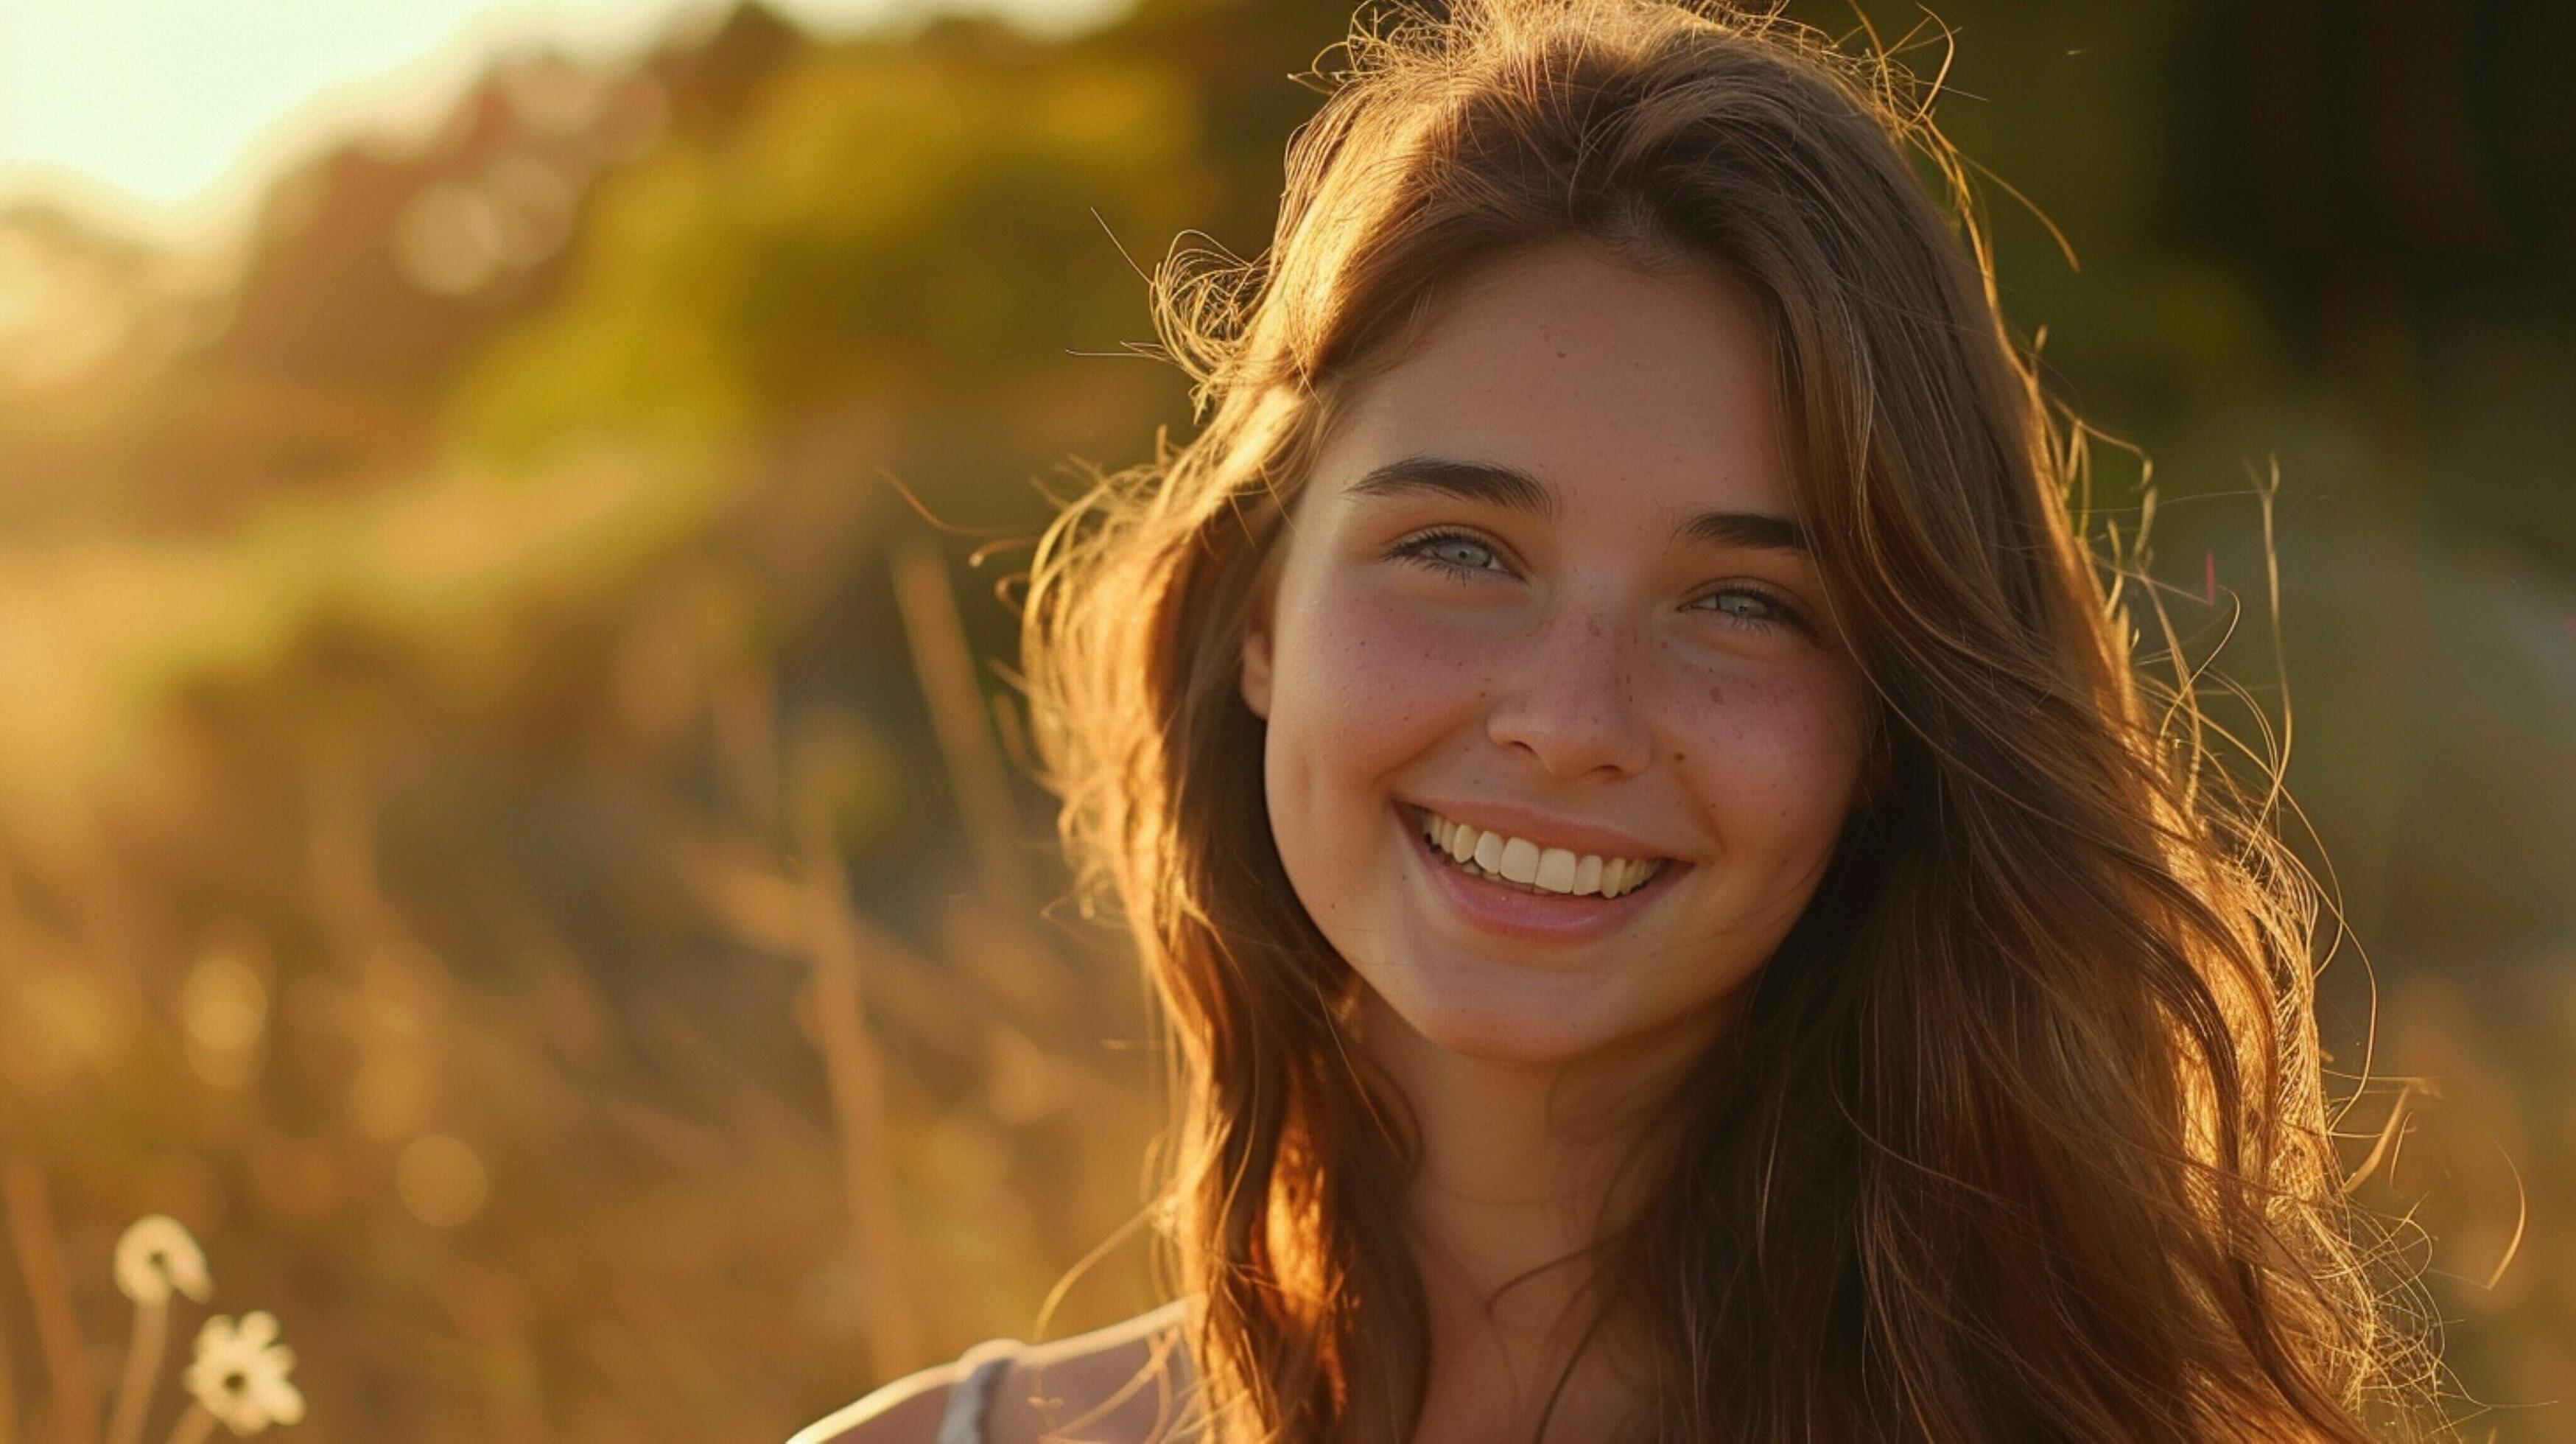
1506	911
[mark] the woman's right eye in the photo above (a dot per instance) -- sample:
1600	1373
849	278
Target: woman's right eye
1452	552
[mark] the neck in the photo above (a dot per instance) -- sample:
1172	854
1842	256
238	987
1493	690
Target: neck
1520	1174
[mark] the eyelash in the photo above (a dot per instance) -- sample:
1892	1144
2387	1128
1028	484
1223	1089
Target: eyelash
1418	550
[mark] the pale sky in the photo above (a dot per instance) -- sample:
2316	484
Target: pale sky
167	112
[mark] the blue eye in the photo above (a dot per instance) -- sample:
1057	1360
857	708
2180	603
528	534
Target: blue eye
1464	557
1452	552
1750	608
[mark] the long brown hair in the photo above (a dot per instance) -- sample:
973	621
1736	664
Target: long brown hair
2021	1133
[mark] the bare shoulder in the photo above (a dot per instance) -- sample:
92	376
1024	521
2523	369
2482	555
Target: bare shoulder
1127	1383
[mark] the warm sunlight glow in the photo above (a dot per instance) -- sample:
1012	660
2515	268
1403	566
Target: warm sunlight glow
172	111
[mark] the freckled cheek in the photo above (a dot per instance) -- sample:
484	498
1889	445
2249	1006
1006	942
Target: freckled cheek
1373	674
1365	687
1771	758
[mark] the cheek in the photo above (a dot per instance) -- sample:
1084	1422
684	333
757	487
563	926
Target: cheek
1771	757
1369	682
1363	686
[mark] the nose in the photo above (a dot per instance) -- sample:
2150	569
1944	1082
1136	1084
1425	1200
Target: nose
1569	702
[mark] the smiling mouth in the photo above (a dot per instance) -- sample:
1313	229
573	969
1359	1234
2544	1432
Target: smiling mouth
1525	866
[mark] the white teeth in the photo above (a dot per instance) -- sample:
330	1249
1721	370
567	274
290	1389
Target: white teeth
1552	870
1555	870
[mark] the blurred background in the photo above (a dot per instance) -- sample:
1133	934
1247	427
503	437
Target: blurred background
514	830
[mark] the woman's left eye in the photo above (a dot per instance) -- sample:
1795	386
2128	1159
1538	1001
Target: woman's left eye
1747	607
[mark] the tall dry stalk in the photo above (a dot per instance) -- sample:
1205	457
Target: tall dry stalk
856	1072
8	1388
40	1263
966	725
946	668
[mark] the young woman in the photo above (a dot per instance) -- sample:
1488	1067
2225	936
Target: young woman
1679	917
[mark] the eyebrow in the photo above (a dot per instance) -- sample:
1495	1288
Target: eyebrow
1517	490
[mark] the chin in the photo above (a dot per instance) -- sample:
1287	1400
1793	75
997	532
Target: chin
1477	1011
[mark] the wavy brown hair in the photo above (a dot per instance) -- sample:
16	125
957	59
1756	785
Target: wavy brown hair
2021	1134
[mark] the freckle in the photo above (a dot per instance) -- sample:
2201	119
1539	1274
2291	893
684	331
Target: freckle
1717	694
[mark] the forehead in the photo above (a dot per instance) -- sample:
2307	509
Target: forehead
1602	378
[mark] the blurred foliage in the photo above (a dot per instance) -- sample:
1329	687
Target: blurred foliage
744	280
511	830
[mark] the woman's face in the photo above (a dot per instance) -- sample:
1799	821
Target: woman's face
1544	582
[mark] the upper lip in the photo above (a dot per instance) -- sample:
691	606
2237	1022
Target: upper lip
1544	829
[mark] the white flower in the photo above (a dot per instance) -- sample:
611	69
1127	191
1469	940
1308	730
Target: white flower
154	1256
239	1374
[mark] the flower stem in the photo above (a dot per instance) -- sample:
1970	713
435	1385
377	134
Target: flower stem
194	1426
142	1366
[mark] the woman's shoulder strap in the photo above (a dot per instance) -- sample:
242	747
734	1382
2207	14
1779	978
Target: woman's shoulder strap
970	1398
952	1398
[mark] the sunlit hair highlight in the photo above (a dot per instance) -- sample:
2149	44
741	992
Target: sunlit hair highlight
2037	1067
